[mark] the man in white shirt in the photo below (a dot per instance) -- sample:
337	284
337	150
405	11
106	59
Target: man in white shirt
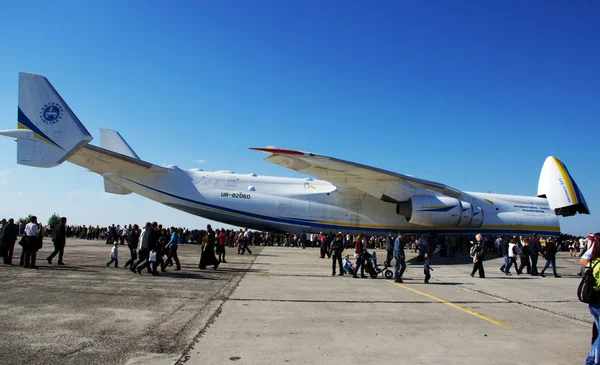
30	243
245	242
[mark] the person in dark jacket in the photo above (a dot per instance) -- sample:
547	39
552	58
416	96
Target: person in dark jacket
525	254
207	257
534	250
132	244
336	249
59	239
550	256
478	253
10	231
389	248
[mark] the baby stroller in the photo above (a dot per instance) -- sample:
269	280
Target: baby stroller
369	267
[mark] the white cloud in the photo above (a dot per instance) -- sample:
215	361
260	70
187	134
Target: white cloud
20	193
200	161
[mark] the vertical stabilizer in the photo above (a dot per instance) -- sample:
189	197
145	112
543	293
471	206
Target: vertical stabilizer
48	130
561	190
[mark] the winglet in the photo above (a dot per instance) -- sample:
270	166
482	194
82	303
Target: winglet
280	151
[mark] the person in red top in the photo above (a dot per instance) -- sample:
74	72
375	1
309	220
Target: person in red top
360	259
221	247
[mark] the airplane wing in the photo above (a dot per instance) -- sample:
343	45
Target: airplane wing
385	185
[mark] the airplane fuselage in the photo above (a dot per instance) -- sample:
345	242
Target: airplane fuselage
296	205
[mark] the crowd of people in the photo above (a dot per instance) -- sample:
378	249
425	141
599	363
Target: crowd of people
152	248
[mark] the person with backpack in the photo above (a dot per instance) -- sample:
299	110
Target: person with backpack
591	259
478	254
336	249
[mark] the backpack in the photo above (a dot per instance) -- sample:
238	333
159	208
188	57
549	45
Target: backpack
335	246
586	290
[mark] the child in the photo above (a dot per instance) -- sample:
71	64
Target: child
426	269
348	264
114	255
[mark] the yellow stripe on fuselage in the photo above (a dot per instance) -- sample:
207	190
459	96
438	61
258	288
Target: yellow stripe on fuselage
567	180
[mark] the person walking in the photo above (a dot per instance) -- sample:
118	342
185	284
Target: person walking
427	270
132	244
360	258
389	248
172	249
525	254
400	258
207	256
336	249
143	251
512	256
323	241
503	248
478	253
30	244
114	255
550	256
10	231
221	246
60	240
592	256
534	249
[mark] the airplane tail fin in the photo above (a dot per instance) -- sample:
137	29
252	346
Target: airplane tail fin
561	190
48	132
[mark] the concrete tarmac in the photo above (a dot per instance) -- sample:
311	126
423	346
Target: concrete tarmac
283	306
86	313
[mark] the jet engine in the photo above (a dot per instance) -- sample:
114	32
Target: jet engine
429	210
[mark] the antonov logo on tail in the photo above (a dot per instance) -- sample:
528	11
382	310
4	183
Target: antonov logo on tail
51	113
356	198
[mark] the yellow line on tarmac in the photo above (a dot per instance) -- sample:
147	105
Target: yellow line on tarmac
453	305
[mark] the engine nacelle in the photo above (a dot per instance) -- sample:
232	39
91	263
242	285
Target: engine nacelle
429	210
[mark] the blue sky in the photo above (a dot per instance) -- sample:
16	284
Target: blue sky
472	94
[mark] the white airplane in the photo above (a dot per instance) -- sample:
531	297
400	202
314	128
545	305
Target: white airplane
347	196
